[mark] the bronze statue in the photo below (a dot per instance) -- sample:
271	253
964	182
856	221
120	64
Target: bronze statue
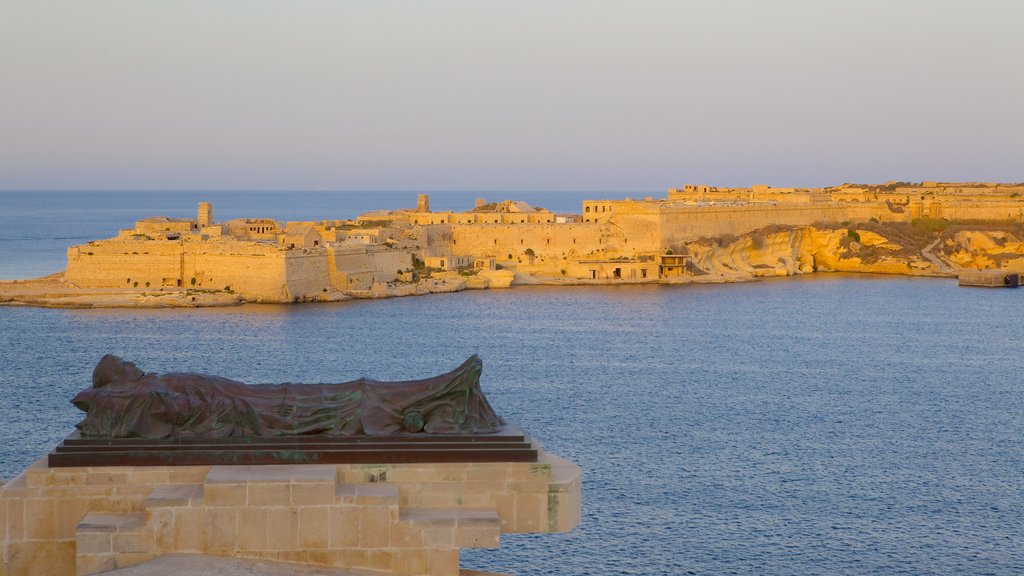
126	402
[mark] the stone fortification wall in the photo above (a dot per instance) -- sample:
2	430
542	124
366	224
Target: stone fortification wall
254	270
1007	210
124	263
356	268
550	240
256	276
306	274
683	223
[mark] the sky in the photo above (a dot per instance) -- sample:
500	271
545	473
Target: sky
636	95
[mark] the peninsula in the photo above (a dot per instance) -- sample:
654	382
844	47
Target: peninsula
696	233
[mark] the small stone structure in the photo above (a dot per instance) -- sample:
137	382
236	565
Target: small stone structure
408	519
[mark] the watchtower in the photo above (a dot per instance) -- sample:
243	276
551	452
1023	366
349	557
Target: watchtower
423	203
205	216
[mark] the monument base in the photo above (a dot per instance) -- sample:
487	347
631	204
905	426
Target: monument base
509	444
392	518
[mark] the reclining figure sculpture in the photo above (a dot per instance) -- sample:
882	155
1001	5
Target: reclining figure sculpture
125	402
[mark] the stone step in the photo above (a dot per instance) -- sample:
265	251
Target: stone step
455	527
175	496
108	541
270	485
189	564
367	494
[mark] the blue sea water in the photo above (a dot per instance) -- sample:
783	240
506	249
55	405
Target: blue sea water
825	425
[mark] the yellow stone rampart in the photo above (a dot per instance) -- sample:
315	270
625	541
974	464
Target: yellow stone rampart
408	519
554	240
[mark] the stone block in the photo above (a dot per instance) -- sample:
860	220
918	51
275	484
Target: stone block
161	522
98	476
15	518
312	493
225	494
252	529
40	519
344	526
221	527
269	494
411	562
227	475
444	562
64	557
68	513
282	528
189	530
314	527
406	535
531	512
441	537
477	537
94	543
86	564
315	473
149	475
505	504
487	473
187	474
173	495
271	473
374	527
126	559
134	541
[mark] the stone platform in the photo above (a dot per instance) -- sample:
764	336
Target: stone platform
402	519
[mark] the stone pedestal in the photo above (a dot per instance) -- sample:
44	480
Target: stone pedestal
409	519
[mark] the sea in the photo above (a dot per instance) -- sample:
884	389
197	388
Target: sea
826	424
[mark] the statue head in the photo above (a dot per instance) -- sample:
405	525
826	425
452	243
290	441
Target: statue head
112	369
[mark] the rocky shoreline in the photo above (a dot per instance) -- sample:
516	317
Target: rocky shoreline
767	253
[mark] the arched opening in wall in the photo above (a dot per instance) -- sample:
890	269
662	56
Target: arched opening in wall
586	209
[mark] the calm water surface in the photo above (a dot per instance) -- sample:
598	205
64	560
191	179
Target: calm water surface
831	425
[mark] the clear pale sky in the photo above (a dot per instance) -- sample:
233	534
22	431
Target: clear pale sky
507	95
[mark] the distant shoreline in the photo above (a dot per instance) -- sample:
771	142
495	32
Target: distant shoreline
52	292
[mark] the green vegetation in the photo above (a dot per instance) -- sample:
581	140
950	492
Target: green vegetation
135	285
193	280
529	252
930	225
417	264
853	234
